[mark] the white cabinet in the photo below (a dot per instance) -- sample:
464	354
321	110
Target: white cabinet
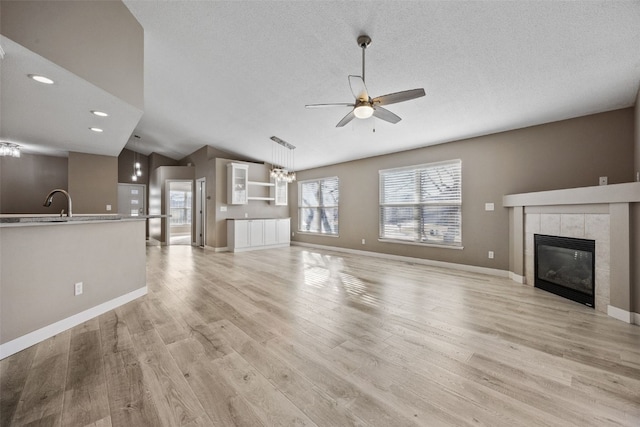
270	232
241	235
279	192
250	234
256	232
237	184
284	230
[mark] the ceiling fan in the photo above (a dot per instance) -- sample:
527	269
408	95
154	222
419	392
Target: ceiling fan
365	106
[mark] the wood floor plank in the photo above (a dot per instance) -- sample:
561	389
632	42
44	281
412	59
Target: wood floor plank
268	403
43	395
224	406
319	407
300	336
174	400
130	403
13	376
86	396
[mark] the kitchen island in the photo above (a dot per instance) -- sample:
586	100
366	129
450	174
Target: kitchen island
46	260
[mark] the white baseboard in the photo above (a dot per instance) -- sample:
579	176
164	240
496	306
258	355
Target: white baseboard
432	263
517	278
32	338
222	249
620	314
258	248
636	318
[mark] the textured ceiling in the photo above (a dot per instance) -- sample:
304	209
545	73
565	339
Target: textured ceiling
232	74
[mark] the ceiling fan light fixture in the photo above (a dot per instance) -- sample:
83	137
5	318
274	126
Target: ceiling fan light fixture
363	111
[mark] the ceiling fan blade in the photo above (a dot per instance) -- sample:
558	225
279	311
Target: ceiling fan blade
394	98
386	115
358	88
342	104
346	119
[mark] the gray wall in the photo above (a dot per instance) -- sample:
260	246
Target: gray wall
93	183
156	160
41	263
26	181
126	159
565	154
108	42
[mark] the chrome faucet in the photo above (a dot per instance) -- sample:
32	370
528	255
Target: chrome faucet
49	199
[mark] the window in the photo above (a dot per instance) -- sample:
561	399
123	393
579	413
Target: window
180	207
422	204
318	206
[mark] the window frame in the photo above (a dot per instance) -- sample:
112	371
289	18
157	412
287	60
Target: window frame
318	208
420	207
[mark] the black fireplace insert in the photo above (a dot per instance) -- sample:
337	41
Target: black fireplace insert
565	266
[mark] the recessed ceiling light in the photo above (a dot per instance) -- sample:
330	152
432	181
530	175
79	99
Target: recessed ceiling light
41	79
99	113
96	129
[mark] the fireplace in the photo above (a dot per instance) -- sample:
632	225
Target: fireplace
565	266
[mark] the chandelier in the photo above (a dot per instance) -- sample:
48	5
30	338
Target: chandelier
8	149
282	161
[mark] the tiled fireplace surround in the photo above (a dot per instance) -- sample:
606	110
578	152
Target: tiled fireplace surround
595	213
592	225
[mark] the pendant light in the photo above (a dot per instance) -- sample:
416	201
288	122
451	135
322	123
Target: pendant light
282	160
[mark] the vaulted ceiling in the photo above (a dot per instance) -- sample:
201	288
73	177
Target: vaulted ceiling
231	74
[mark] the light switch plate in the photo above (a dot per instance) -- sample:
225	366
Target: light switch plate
223	208
489	207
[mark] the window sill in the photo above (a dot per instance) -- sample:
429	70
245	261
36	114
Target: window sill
430	245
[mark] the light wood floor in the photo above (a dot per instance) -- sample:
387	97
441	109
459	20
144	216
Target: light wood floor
298	336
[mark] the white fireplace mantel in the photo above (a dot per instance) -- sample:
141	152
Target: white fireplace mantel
611	202
628	192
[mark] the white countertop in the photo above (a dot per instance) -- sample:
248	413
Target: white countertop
22	220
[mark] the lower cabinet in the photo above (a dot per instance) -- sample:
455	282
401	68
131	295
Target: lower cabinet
251	234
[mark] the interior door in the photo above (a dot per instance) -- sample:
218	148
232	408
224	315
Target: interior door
131	199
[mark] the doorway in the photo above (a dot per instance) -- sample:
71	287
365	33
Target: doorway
131	199
201	214
180	203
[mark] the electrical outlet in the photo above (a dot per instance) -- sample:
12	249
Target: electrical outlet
108	207
78	289
490	254
603	180
489	207
246	215
223	208
293	233
363	241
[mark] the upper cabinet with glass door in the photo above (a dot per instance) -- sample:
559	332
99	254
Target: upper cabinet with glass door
237	179
279	192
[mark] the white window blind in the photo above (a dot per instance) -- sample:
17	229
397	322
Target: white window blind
422	204
318	206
